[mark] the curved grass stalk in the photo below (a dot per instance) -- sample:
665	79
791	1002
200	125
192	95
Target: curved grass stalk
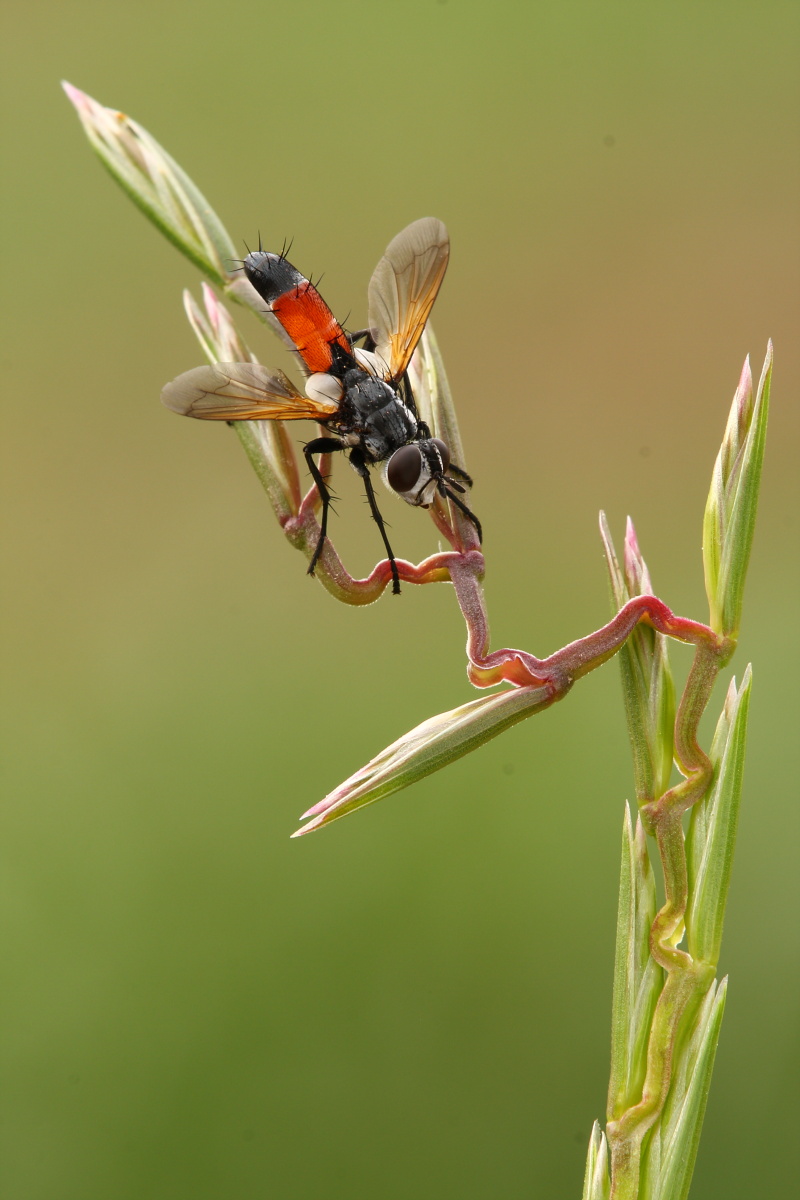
667	1006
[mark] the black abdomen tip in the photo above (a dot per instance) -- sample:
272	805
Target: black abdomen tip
271	275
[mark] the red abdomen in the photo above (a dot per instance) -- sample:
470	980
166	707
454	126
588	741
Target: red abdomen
298	306
311	325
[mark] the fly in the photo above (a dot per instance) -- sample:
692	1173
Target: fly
360	395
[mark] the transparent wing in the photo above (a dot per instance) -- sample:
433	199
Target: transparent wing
241	392
403	288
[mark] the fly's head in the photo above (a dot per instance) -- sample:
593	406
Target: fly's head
418	470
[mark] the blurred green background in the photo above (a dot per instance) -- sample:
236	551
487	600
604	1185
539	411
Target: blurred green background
415	1002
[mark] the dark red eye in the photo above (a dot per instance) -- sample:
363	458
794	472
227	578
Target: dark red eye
444	453
404	468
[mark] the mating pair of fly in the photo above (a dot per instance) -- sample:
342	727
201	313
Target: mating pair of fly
361	395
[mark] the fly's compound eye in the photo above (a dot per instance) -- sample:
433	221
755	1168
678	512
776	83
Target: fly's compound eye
444	453
324	388
404	468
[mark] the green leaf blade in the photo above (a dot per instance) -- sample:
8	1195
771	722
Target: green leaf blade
711	837
637	977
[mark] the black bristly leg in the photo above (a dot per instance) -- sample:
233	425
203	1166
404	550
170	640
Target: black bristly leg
460	473
369	341
321	445
357	459
445	491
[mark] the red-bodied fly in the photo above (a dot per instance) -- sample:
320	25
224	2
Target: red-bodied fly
360	395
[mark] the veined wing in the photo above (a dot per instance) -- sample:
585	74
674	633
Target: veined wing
403	288
241	392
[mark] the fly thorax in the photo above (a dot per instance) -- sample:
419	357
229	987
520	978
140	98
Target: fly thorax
378	413
365	393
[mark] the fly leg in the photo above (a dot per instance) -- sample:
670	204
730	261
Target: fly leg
446	491
369	341
321	445
357	460
460	473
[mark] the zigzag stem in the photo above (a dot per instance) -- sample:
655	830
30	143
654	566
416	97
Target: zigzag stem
561	669
687	979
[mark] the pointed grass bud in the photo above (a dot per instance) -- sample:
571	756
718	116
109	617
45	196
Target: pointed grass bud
432	745
730	512
156	183
214	328
647	686
433	395
266	443
596	1180
436	408
711	837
